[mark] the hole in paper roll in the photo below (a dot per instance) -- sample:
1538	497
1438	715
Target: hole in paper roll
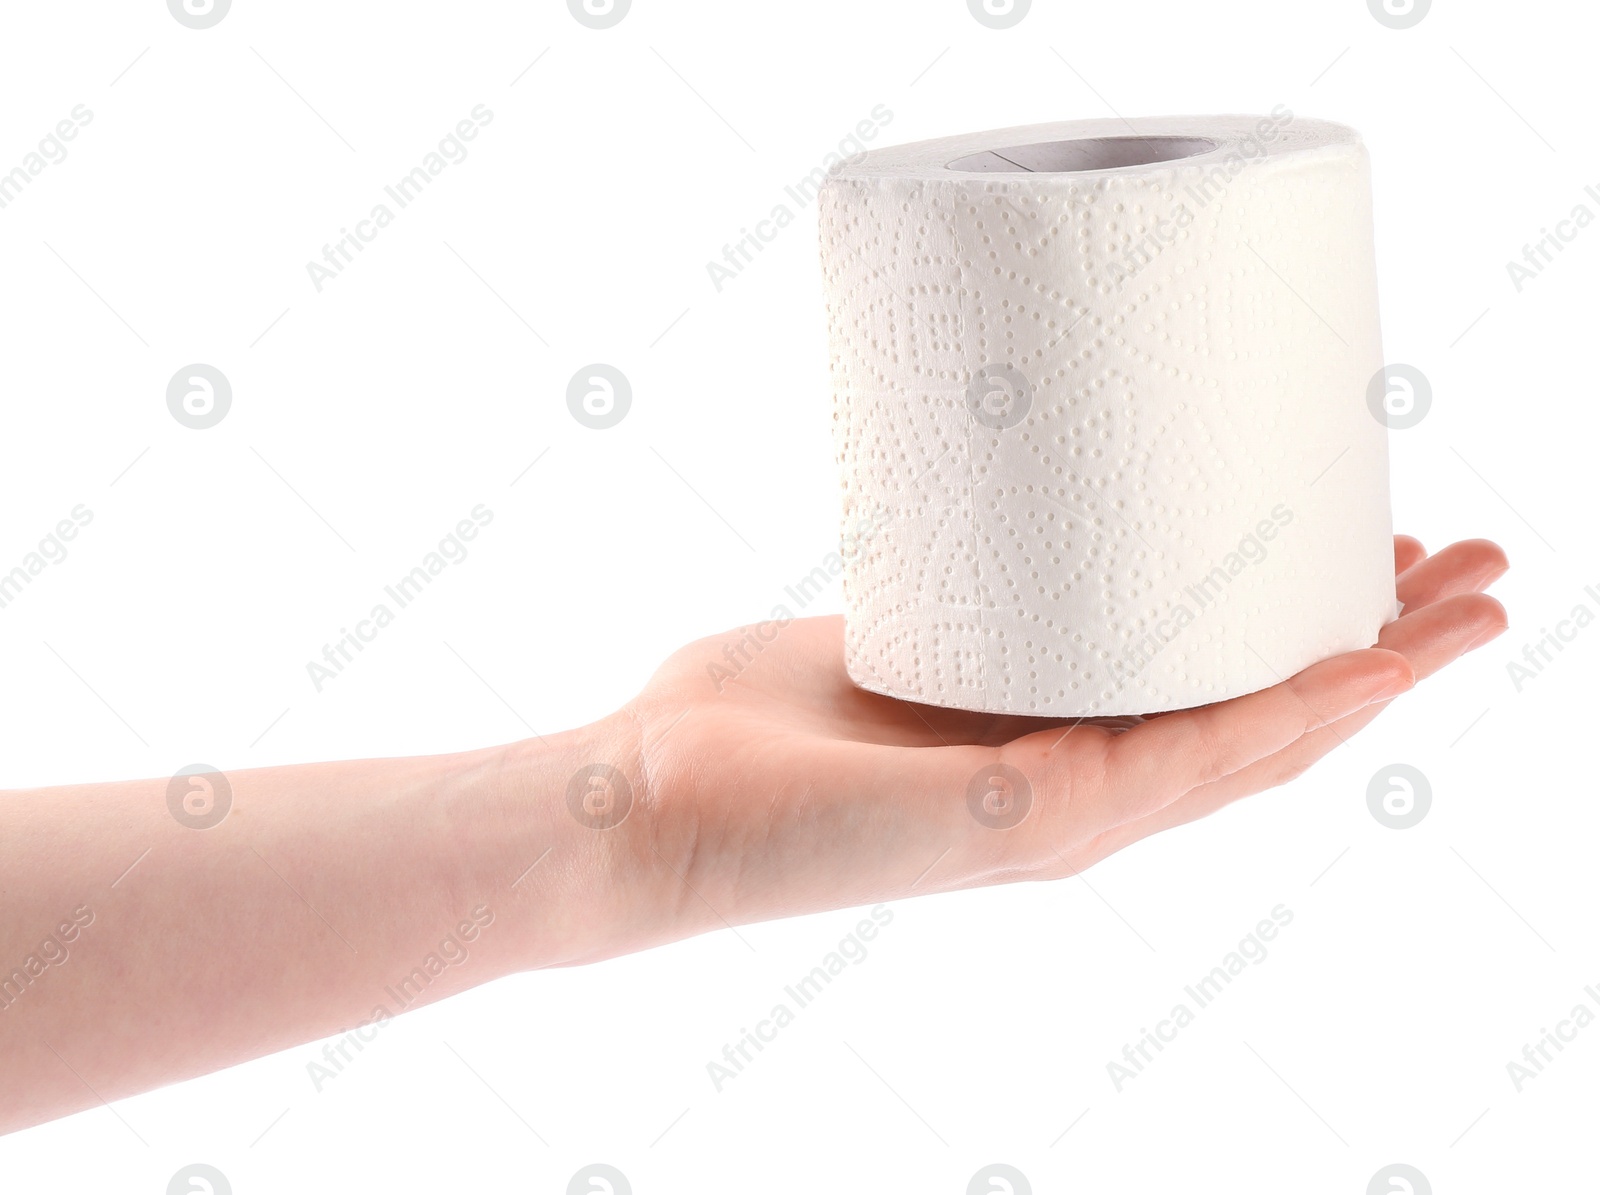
1084	153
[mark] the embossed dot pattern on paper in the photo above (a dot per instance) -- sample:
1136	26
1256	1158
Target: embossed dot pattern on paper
1170	489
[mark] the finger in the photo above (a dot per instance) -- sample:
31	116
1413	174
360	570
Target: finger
1407	551
1157	762
1460	623
1430	639
1463	567
1443	620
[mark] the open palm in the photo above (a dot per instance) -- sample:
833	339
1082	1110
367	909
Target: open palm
773	786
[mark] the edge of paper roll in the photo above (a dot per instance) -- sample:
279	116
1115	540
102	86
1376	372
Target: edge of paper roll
1295	134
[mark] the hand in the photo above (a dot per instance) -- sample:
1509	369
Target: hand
785	790
788	790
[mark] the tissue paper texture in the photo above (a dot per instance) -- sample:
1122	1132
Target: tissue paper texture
1102	420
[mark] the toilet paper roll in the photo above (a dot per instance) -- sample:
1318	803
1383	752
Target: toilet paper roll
1101	407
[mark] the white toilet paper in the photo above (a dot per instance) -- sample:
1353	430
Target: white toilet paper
1100	403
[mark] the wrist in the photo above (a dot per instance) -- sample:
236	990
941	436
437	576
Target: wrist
544	829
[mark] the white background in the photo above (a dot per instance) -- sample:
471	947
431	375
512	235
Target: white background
427	376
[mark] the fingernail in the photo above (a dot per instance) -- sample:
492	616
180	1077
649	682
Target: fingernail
1491	634
1393	689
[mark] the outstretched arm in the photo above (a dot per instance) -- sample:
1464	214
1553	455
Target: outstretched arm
137	948
157	930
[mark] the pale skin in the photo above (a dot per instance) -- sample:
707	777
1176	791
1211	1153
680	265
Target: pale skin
790	791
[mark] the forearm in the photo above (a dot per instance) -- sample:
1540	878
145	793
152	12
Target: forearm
136	950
